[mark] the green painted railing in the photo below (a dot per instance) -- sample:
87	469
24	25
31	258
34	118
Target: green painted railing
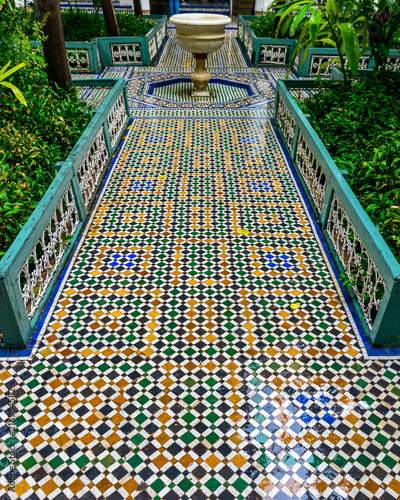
133	50
33	263
320	61
83	57
356	245
263	51
90	57
270	52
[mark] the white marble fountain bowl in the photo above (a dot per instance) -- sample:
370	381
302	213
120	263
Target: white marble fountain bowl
200	33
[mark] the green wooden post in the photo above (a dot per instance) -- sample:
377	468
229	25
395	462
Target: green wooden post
326	205
80	204
14	322
107	139
294	145
128	111
386	329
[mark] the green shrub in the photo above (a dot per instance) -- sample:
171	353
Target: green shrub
395	44
32	138
130	25
263	26
360	128
84	27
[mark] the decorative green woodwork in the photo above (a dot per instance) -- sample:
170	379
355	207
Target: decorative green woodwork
356	245
90	57
263	51
83	57
268	51
133	50
33	263
321	61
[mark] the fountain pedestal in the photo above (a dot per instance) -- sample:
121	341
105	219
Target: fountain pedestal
200	77
200	34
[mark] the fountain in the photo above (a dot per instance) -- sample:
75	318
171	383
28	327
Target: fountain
200	34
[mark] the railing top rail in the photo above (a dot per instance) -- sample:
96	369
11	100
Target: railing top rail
369	234
95	82
33	228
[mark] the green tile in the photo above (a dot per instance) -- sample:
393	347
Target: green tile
188	417
315	461
264	460
158	485
389	462
137	439
82	461
185	485
188	438
240	485
289	460
135	461
381	439
212	437
108	461
56	462
364	460
212	484
29	463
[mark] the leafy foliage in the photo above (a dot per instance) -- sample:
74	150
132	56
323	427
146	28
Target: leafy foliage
5	73
84	27
33	137
264	26
395	42
383	29
339	23
359	125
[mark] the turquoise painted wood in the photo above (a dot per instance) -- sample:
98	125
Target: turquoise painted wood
393	54
145	51
90	54
262	51
315	58
91	57
15	325
386	327
83	57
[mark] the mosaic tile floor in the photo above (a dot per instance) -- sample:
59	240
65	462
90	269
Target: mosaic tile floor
200	346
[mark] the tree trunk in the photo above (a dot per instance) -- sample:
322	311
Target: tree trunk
109	17
54	46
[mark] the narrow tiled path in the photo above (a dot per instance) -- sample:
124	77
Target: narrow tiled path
200	347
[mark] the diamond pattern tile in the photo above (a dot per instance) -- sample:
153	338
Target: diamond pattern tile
200	347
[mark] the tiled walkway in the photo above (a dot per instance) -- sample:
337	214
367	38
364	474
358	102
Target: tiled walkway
200	347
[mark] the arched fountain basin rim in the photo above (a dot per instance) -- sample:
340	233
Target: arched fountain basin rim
200	19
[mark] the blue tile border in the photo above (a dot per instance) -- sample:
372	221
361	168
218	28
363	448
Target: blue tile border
248	65
222	81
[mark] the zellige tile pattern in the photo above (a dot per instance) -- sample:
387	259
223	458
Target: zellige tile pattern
200	347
